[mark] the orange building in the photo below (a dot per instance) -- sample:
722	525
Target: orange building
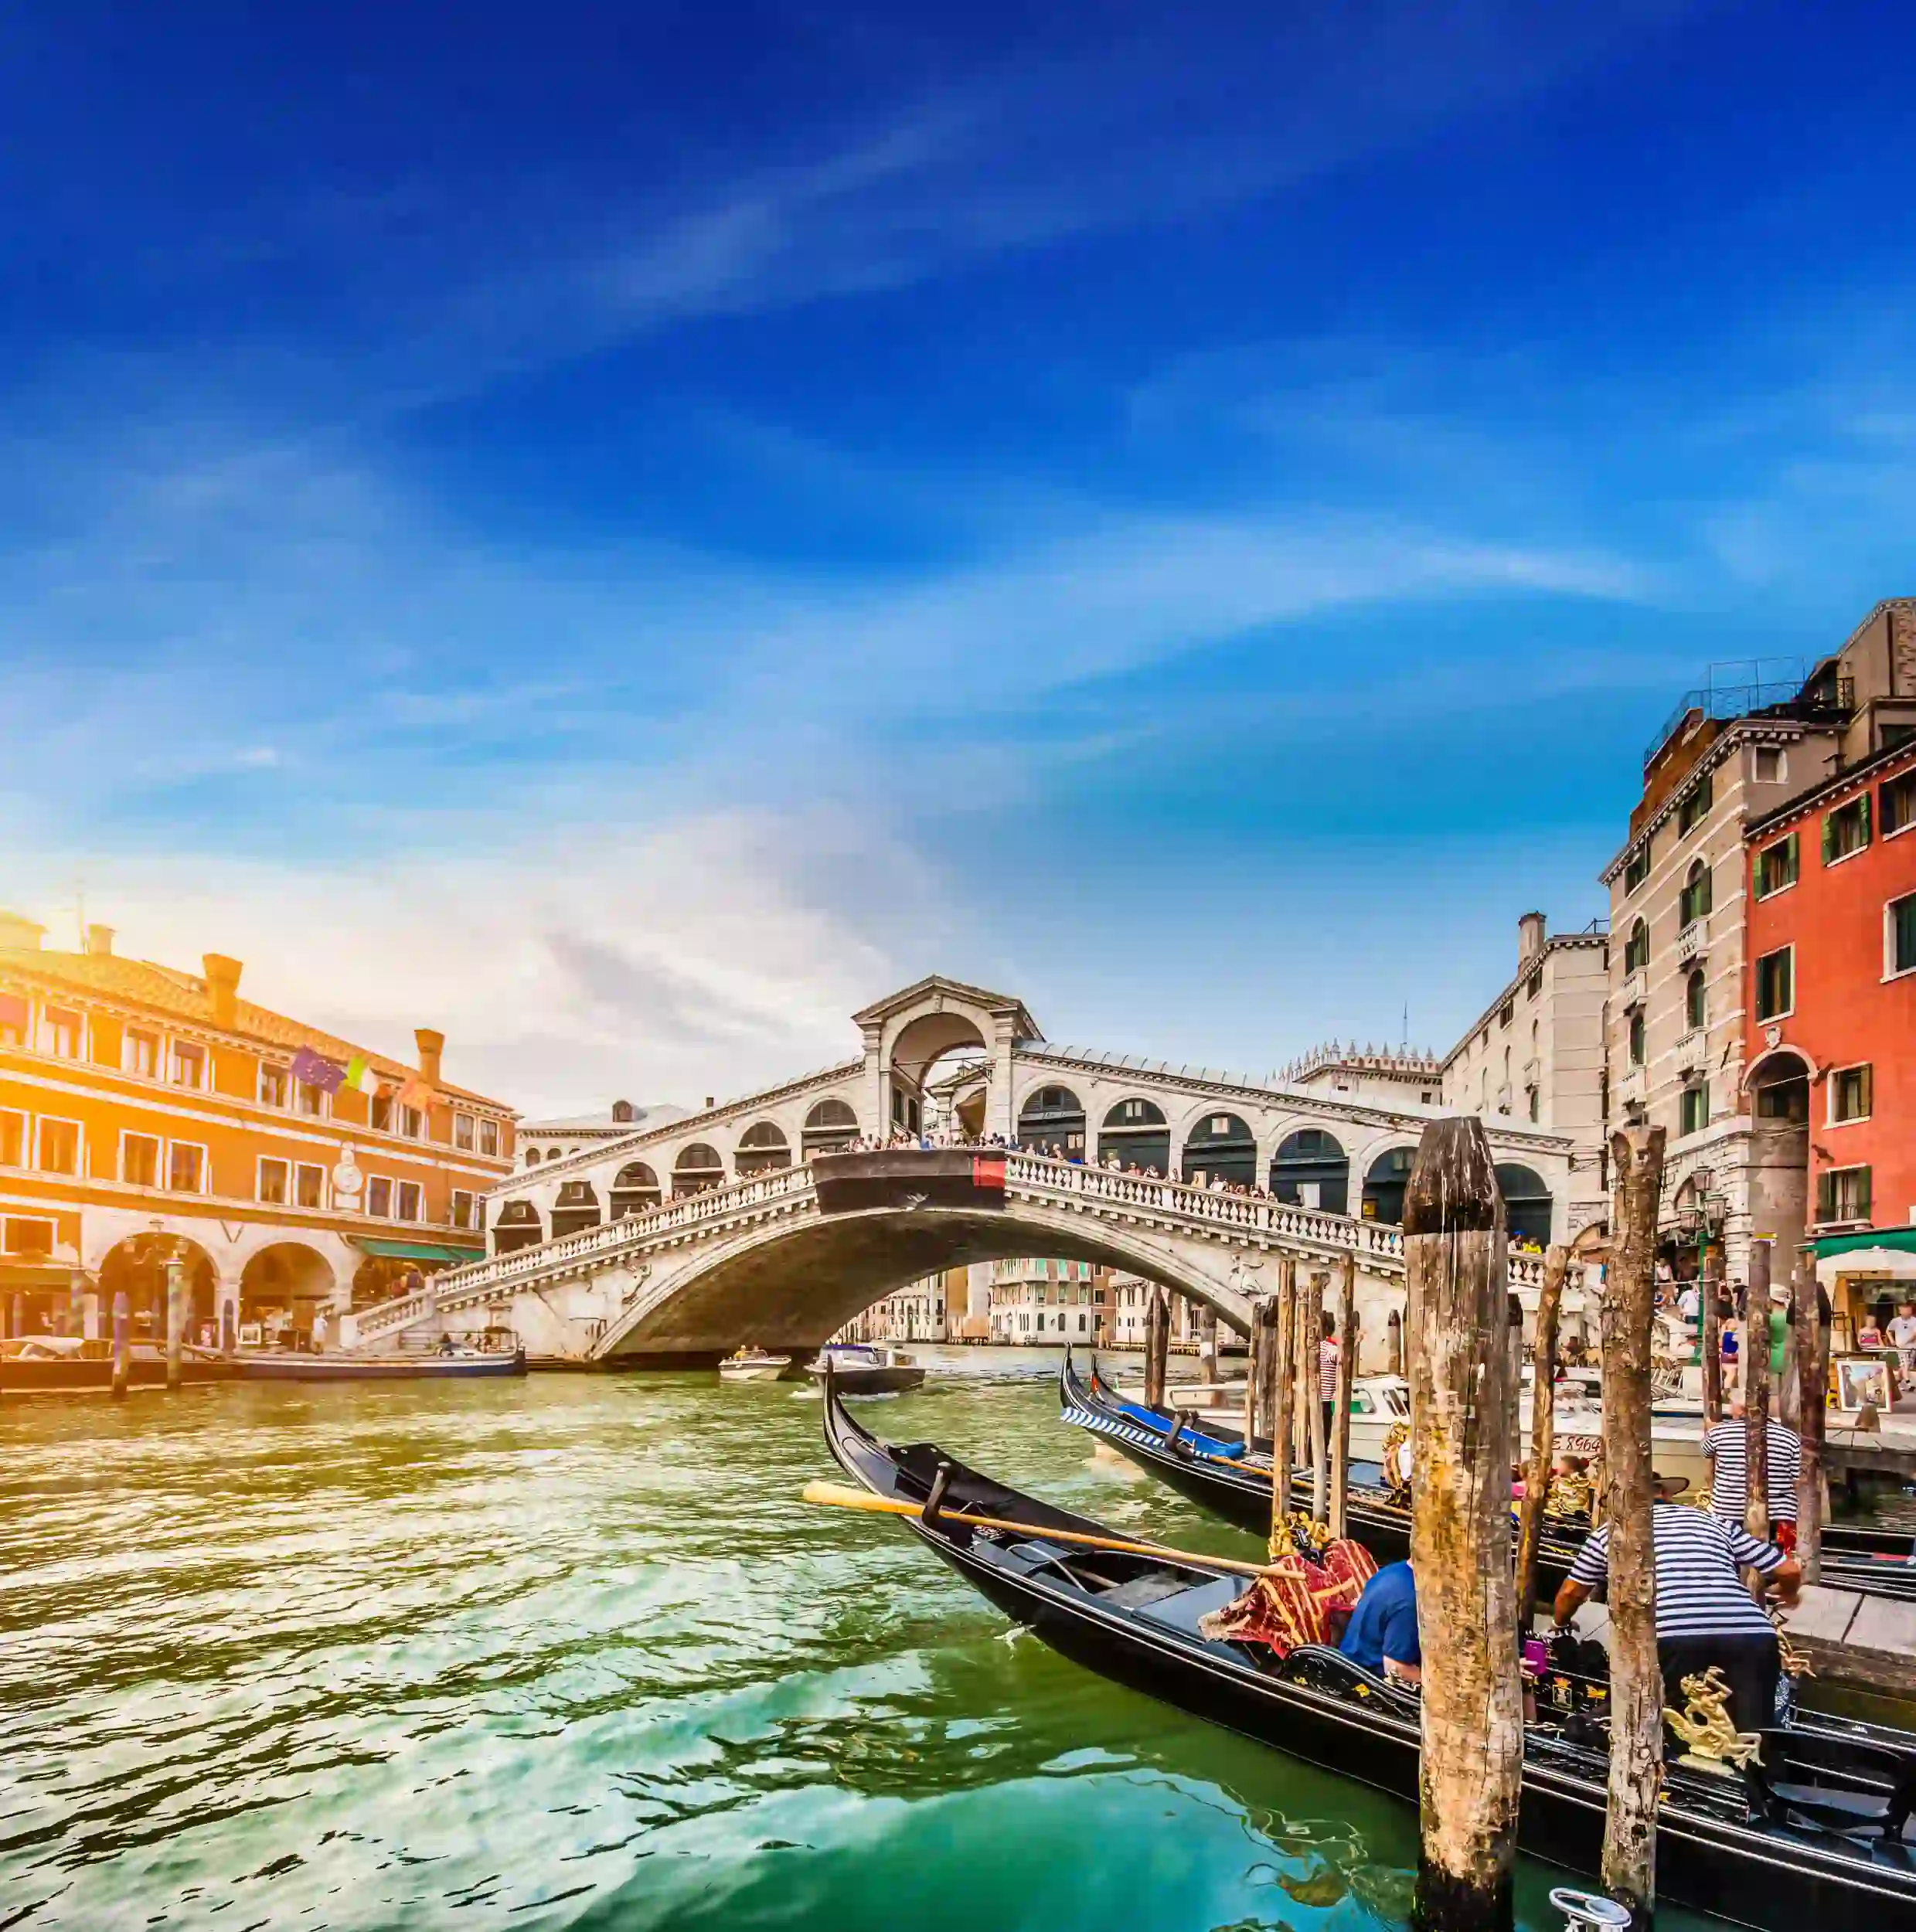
142	1107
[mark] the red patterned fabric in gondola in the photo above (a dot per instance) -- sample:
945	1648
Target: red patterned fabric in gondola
1292	1602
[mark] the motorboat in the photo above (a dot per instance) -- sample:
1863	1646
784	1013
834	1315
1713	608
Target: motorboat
441	1363
1819	1832
754	1365
865	1368
69	1364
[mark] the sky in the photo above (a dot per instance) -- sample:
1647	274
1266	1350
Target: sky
627	532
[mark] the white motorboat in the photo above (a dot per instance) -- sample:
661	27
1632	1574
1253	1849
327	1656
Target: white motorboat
754	1365
866	1367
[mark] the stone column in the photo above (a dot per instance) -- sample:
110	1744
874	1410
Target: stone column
76	1302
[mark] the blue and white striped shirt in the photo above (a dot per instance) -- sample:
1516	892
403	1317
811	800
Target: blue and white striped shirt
1698	1557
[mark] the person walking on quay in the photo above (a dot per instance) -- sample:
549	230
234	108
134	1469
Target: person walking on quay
1704	1616
1727	1449
319	1332
1903	1335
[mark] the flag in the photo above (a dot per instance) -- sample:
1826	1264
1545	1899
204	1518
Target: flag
415	1092
314	1070
360	1076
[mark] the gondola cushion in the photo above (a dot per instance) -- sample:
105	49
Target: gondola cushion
1293	1601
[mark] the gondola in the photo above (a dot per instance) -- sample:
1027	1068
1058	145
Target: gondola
1206	1468
1821	1835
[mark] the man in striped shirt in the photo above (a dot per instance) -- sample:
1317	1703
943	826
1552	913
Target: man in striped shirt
1704	1615
1327	1353
1727	1448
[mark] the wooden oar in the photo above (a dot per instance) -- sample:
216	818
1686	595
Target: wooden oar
840	1497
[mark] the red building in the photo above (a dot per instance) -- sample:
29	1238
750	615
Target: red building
1830	1004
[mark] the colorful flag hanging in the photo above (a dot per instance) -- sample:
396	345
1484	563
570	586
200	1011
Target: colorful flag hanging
415	1092
314	1070
360	1076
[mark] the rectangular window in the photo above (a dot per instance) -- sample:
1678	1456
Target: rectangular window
488	1137
1849	1093
140	1053
462	1132
1507	1012
1695	807
1775	983
309	1186
411	1201
379	1112
12	1139
60	1031
378	1197
1845	831
275	1178
1899	922
1776	866
188	1065
276	1085
1898	797
1695	1109
311	1100
412	1123
1842	1194
140	1160
14	1016
462	1215
27	1237
1636	869
186	1168
1769	765
59	1151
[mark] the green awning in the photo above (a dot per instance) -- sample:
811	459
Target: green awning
415	1250
1904	1239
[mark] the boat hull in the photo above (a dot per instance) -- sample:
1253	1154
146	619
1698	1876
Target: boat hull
46	1376
868	1382
321	1368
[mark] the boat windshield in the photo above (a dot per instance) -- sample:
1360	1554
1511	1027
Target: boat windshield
854	1351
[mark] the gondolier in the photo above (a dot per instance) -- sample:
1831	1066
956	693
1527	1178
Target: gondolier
1727	1449
1704	1616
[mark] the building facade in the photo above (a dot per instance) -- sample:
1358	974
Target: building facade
1046	1303
917	1312
147	1113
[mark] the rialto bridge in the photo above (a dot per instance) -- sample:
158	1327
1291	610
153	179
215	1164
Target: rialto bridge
678	1243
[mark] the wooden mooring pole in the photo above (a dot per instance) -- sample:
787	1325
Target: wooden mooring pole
1461	1406
1812	1311
1347	1344
175	1321
1636	1681
1285	1391
1157	1344
1536	1475
1253	1343
1756	1393
1315	1436
1710	1315
122	1348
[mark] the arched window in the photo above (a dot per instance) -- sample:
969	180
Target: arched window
555	1153
697	1168
1052	1120
1310	1169
1693	902
517	1226
1384	1185
532	1156
830	1124
1636	948
634	1188
762	1148
1696	996
1136	1133
1636	1036
622	1112
576	1208
1220	1147
1526	1203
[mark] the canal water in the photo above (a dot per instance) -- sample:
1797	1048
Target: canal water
570	1652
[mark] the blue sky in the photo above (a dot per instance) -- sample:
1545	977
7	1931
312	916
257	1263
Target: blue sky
628	531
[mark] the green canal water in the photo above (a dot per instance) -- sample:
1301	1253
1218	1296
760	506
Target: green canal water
568	1652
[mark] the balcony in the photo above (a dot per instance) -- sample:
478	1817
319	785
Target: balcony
1693	1052
1693	940
1636	987
1632	1088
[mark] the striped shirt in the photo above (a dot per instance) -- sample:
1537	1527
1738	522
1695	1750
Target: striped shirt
1728	1446
1327	1370
1698	1592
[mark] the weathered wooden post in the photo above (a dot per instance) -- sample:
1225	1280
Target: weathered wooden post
1348	1338
1251	1341
1393	1337
1157	1344
1711	1314
1267	1353
1636	1681
1812	1310
175	1320
122	1347
1311	1380
1206	1340
76	1302
1756	1393
1286	1393
1536	1476
1461	1409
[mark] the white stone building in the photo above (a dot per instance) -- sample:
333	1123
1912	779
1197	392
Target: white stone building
917	1312
1043	1303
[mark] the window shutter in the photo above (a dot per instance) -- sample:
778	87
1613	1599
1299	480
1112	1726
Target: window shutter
1863	1194
1829	837
1863	806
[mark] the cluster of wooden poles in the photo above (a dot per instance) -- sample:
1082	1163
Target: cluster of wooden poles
176	1331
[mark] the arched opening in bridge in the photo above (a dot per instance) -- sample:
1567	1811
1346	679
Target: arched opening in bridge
1136	1133
532	1156
1526	1203
281	1288
634	1188
829	1126
1384	1185
1311	1169
927	1093
697	1168
576	1209
762	1148
138	1266
1052	1121
518	1226
1221	1147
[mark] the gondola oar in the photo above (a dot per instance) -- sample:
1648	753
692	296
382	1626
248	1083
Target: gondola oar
840	1497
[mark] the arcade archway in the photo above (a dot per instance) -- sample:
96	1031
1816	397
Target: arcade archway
1221	1147
576	1208
830	1126
1526	1203
1052	1121
1311	1169
1389	1175
1136	1133
517	1225
762	1149
697	1168
137	1266
634	1188
281	1288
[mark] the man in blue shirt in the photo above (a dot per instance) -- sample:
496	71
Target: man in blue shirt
1381	1633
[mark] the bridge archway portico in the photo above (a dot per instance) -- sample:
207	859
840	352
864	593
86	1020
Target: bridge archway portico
907	1035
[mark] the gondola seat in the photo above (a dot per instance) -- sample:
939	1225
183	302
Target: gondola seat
1843	1784
1181	1613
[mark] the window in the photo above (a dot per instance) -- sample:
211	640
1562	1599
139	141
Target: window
1636	948
1636	868
1769	768
1636	1036
1693	902
59	1150
1850	1094
1845	831
140	1053
274	1178
1695	1109
27	1237
12	1139
1695	807
1776	867
1842	1194
276	1085
412	1123
532	1156
1533	1103
140	1160
187	1067
1534	984
462	1132
1899	922
1507	1012
1898	797
61	1030
309	1186
378	1197
462	1214
1696	998
488	1137
379	1112
411	1201
311	1100
186	1168
1775	988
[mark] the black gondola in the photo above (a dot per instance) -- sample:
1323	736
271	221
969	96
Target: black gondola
1823	1836
1206	1468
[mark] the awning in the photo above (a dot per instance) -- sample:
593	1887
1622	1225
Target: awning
1901	1238
415	1250
33	1276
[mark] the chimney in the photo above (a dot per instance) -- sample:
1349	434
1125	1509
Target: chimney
709	1103
18	934
1529	937
100	942
431	1046
223	988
